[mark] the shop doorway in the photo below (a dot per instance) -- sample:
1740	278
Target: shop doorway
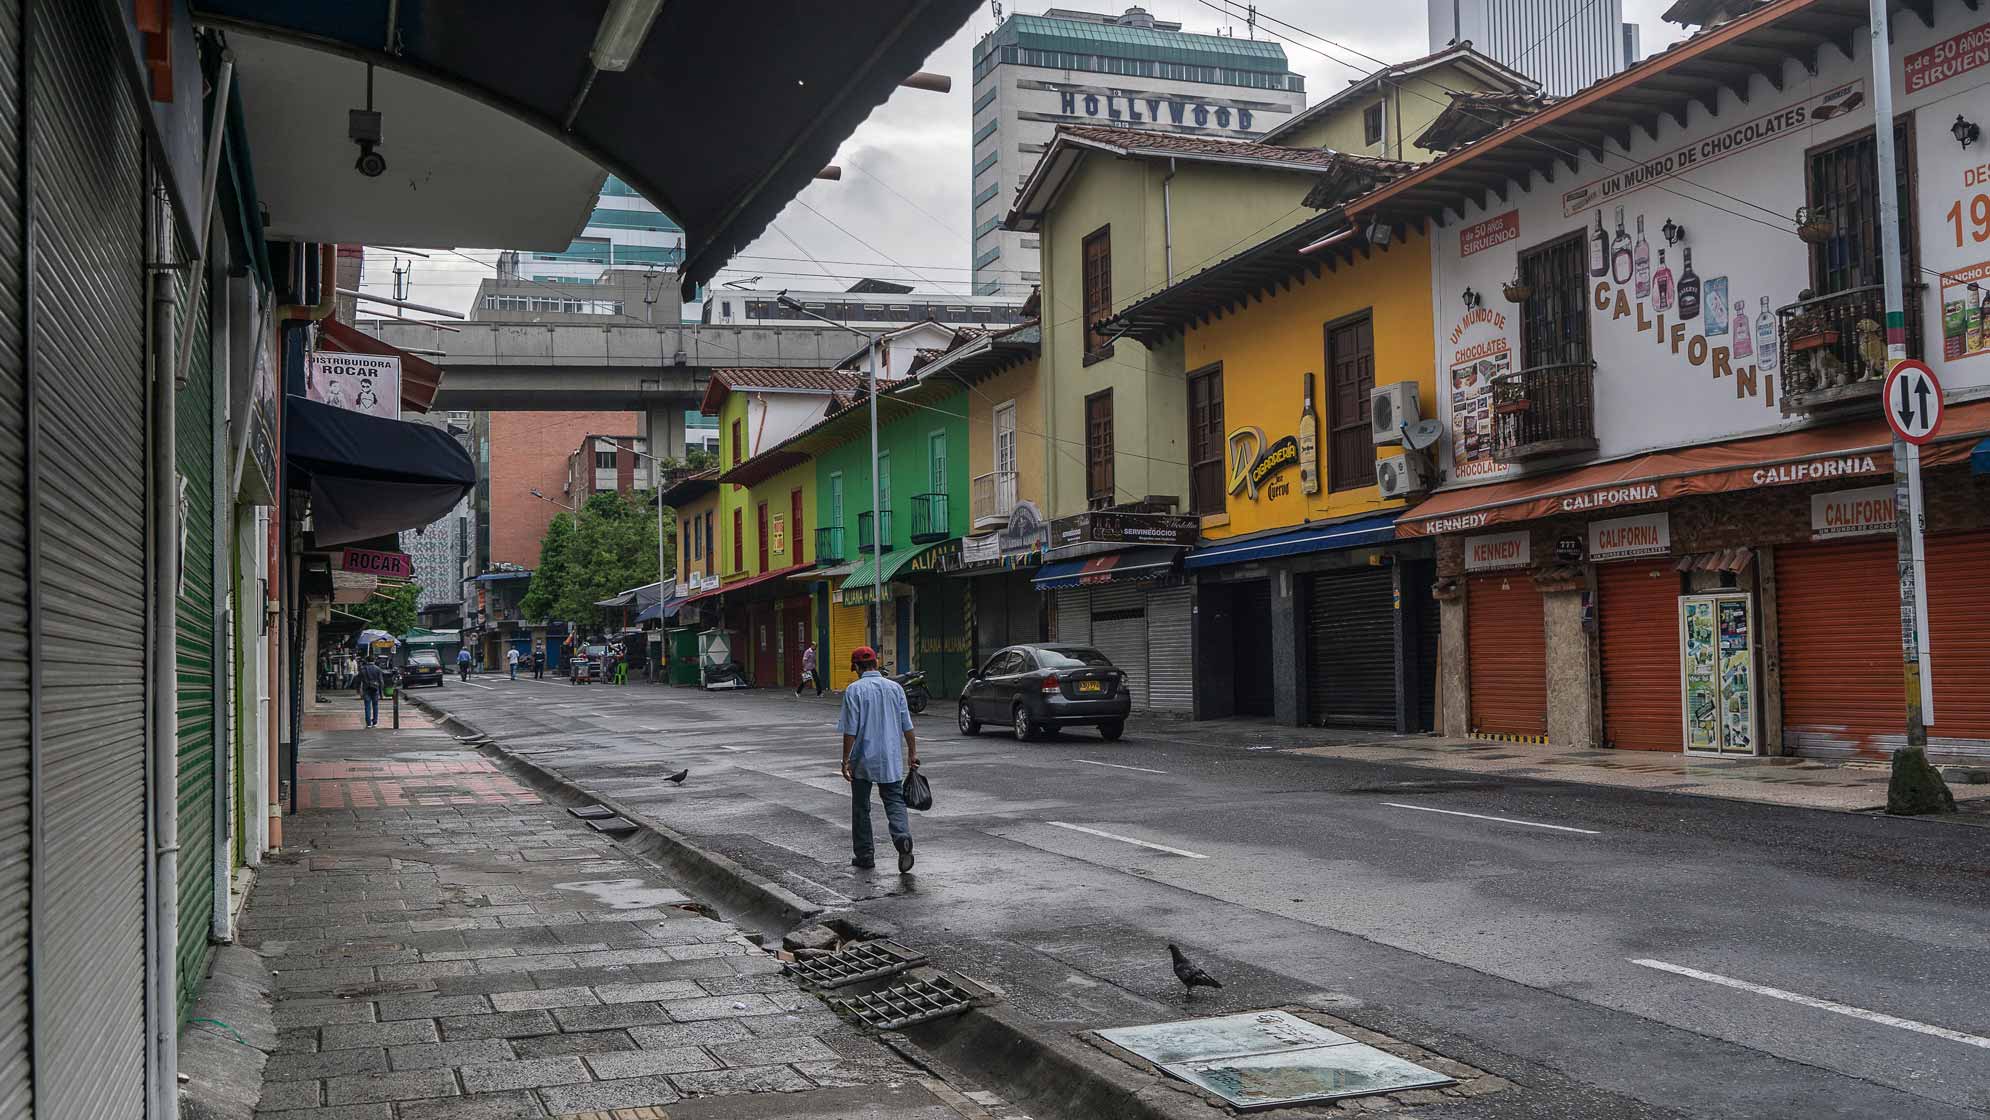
1507	644
1250	647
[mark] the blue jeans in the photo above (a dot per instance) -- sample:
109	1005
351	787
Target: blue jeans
514	670
372	700
895	820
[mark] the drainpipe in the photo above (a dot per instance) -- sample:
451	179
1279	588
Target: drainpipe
1167	223
163	475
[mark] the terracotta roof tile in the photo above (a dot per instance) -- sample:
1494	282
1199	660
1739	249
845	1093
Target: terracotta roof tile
728	378
1146	140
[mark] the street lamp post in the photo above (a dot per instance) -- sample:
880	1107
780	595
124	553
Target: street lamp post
877	515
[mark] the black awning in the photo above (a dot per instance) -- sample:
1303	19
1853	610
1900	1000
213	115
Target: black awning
369	475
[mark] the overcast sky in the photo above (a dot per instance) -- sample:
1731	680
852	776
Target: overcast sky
901	209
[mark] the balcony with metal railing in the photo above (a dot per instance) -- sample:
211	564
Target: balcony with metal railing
867	540
992	498
1543	411
930	520
829	546
1832	348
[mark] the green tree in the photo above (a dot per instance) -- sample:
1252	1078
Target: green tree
391	608
548	582
609	548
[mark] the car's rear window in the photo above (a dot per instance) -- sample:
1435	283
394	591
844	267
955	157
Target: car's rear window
424	657
1071	658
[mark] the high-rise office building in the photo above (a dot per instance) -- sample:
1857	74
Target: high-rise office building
1563	44
625	231
1035	72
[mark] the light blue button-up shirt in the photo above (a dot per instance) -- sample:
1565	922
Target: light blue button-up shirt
875	713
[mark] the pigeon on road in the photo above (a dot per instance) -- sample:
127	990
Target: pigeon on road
678	778
1191	976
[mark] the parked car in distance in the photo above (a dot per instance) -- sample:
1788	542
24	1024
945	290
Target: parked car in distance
424	667
1034	689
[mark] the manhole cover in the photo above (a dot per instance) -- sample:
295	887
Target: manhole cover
902	1005
868	960
592	812
1267	1058
611	824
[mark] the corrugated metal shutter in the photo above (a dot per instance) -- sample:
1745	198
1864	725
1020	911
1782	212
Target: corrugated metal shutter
1074	616
1840	652
1429	642
197	659
87	345
1638	614
1506	639
1170	659
848	628
16	782
1119	630
1351	648
1959	645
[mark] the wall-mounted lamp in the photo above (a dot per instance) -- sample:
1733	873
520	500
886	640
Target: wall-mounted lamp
1673	231
1964	131
1379	233
1473	299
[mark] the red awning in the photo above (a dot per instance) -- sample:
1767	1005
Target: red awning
742	584
420	378
1861	450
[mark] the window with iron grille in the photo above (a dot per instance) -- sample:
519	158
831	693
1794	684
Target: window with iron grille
1840	186
1205	441
1098	449
1371	124
1098	288
1554	320
604	460
1350	383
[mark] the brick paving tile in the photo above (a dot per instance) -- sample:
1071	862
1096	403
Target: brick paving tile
610	1018
535	1073
519	1105
347	1036
754	1079
660	990
507	1024
331	1063
442	1055
544	998
407	1086
772	1051
682	1059
711	1032
585	1042
720	1007
429	1007
601	1096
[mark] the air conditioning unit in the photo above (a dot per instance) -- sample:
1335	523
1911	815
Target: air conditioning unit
1400	476
1390	407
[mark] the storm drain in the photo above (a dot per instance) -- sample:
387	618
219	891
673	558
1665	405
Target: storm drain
902	1005
611	824
1263	1059
592	812
863	960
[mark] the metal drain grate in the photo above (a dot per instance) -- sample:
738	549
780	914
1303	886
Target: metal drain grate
902	1005
864	960
611	824
592	812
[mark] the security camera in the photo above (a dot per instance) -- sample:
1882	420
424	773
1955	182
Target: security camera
370	163
363	128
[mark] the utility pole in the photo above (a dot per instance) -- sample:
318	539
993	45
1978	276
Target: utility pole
1906	456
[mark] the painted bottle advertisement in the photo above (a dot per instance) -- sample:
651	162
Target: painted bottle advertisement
1599	248
1689	290
1620	252
1309	444
1744	330
1641	262
1765	338
1713	300
1661	285
1973	330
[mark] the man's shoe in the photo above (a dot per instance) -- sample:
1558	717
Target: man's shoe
904	854
862	864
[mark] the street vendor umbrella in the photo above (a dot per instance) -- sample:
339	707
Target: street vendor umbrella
371	637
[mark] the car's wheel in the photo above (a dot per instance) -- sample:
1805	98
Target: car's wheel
968	724
1021	725
1112	729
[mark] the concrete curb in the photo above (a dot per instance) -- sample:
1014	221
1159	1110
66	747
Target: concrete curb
228	1038
743	896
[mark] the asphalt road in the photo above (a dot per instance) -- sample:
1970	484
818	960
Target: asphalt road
1616	953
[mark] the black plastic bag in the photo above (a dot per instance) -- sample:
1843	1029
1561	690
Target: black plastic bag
918	791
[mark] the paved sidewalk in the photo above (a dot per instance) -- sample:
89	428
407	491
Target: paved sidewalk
448	946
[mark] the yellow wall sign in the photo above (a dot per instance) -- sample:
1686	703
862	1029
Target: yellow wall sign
1253	464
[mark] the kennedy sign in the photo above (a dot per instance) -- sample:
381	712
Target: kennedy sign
1498	550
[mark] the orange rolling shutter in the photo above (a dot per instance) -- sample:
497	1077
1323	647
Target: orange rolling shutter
1959	644
1638	615
1508	647
1838	634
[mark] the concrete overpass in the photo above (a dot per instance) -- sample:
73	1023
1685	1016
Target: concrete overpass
656	370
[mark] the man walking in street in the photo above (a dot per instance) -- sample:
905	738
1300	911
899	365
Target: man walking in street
511	659
463	664
809	672
539	663
878	749
370	681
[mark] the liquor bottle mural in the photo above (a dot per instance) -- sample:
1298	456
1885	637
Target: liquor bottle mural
1620	252
1309	443
1689	290
1744	330
1641	262
1765	338
1713	304
1661	285
1599	249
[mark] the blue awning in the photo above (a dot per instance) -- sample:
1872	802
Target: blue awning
1979	458
1133	564
1312	538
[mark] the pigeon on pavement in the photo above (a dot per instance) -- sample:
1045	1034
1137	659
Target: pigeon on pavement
678	778
1191	976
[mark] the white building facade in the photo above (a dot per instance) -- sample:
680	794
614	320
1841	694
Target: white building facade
1564	44
1035	72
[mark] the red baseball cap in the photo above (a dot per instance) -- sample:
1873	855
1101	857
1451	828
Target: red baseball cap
863	653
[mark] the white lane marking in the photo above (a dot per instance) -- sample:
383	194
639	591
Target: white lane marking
1117	766
1125	839
1821	1004
474	684
1483	817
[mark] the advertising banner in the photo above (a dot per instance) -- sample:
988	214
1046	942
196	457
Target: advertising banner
1498	550
1867	511
1624	538
369	383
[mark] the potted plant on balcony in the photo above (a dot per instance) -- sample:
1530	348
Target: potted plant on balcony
1813	229
1516	290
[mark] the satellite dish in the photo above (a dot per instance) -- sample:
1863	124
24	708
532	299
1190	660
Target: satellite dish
1423	434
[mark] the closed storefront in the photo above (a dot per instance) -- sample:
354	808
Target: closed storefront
1170	664
1134	622
1505	632
942	624
1638	618
1119	630
1007	611
1074	616
1351	648
848	629
197	661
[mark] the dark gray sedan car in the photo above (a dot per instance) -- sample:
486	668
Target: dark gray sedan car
1035	689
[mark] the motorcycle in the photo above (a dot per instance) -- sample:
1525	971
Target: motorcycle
914	684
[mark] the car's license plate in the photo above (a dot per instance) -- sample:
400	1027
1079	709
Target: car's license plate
1091	686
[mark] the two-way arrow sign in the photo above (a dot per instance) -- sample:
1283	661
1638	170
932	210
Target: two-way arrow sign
1912	401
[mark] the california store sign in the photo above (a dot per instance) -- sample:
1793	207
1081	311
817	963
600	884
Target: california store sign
1625	538
1867	511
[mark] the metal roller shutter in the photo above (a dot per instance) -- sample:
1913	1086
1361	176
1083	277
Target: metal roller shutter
197	657
85	355
1638	614
1119	630
1506	640
1351	648
1074	616
1959	645
1429	642
16	781
848	629
1170	661
1840	653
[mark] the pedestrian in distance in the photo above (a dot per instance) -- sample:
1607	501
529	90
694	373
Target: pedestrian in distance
370	681
810	675
539	663
621	668
463	664
511	659
879	750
